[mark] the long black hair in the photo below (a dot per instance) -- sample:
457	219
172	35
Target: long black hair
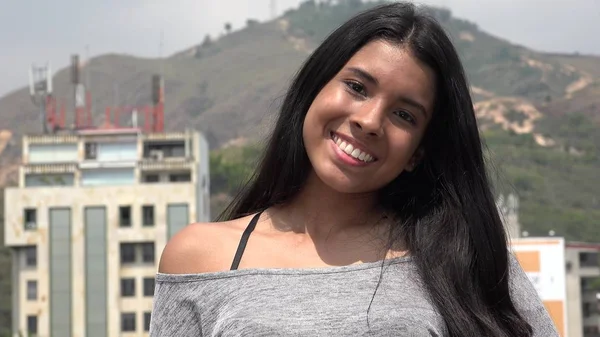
444	210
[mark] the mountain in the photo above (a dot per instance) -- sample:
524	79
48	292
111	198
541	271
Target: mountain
539	113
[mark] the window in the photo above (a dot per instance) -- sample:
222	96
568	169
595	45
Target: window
127	287
30	219
148	252
31	256
128	322
588	259
180	177
91	151
166	149
32	290
125	216
32	325
151	178
127	253
147	317
149	286
586	310
148	215
592	330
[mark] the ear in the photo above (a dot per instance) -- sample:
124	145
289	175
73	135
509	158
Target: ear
415	160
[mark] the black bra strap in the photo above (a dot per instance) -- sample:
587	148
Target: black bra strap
244	241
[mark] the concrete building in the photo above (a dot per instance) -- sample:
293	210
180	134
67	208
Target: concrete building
583	289
566	276
88	221
508	208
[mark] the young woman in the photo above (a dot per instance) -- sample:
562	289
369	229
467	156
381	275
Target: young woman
369	214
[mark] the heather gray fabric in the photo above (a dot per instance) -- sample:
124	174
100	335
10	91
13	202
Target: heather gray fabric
331	301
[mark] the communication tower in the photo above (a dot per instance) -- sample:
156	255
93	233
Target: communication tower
273	7
40	89
83	113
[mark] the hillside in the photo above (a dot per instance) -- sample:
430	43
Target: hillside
539	113
225	90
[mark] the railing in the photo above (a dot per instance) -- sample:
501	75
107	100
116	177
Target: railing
49	168
166	136
51	139
172	163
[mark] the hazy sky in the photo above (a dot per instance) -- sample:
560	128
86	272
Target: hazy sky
39	31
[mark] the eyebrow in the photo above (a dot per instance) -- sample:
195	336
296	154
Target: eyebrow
365	76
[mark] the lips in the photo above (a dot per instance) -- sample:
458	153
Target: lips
352	149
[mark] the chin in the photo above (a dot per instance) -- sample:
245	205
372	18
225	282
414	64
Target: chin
341	183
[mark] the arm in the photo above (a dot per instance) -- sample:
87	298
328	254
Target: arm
196	249
528	302
174	311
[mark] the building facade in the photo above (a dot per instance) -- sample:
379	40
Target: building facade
566	276
88	221
582	270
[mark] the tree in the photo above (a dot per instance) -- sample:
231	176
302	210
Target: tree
251	23
228	27
207	41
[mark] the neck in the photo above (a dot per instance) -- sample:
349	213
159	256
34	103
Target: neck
321	212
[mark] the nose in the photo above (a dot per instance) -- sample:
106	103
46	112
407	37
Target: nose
369	119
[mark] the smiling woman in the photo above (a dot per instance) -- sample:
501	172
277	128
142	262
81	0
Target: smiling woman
378	104
369	214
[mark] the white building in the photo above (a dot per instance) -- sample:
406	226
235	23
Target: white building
88	221
567	278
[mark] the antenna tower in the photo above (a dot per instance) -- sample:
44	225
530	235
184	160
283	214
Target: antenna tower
88	84
40	89
83	116
273	7
161	45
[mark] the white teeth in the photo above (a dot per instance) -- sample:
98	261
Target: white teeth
351	150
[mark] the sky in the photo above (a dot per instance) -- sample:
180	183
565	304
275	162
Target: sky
40	31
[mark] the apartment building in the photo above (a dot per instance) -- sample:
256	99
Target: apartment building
87	223
566	276
583	289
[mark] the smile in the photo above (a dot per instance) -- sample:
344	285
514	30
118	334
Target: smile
352	150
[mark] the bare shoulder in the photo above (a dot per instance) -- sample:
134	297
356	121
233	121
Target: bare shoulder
202	247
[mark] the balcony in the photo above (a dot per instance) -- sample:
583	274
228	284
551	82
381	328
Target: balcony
49	168
166	164
51	139
91	164
113	155
166	136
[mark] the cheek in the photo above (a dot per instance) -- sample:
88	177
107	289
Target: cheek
322	112
330	103
402	148
309	127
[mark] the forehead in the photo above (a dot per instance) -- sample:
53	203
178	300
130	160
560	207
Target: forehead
396	70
